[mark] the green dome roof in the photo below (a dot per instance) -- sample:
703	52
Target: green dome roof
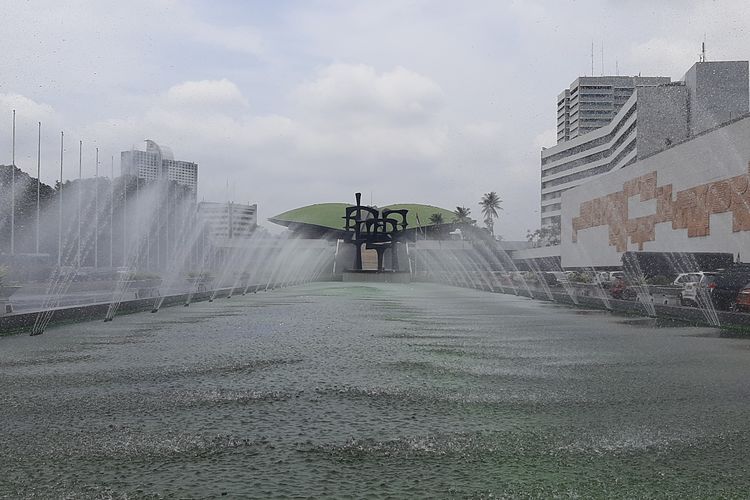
331	215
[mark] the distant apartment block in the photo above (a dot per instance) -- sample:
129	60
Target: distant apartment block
157	162
227	221
593	101
601	131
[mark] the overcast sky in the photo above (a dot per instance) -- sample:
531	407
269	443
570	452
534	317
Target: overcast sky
289	103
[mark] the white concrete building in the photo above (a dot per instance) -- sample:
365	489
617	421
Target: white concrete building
157	162
655	116
691	197
228	221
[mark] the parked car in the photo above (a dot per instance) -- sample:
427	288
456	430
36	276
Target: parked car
614	275
550	279
726	286
743	299
685	278
696	293
561	277
621	290
603	279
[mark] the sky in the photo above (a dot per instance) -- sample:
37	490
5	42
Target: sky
290	103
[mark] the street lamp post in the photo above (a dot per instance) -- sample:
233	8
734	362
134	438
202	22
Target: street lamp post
38	181
13	189
80	200
96	212
60	197
111	212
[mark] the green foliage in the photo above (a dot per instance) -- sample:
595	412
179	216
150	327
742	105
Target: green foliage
490	204
578	277
545	236
436	218
462	215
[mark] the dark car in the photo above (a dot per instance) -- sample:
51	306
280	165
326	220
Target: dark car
621	290
743	299
726	285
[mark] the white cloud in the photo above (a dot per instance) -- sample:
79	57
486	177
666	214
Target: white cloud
357	94
546	139
307	102
206	94
26	109
243	39
671	56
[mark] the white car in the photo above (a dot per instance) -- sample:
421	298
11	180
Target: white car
560	276
685	278
607	277
692	293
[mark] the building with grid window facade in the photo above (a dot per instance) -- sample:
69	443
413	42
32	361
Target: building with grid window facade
157	162
592	102
227	221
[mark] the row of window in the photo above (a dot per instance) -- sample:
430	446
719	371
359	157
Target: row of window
595	156
592	143
593	171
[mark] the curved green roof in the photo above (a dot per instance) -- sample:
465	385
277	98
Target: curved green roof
331	215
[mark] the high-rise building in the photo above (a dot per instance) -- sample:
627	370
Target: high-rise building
593	101
598	134
157	162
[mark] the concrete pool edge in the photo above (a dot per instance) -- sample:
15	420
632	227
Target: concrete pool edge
14	324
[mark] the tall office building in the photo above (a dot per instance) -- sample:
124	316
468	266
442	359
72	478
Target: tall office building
601	131
157	162
593	101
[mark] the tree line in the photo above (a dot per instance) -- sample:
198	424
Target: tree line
490	204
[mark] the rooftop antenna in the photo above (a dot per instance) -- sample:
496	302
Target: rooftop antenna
617	68
703	49
592	58
602	57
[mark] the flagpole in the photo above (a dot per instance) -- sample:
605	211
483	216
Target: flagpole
80	200
13	190
112	212
38	181
96	212
60	196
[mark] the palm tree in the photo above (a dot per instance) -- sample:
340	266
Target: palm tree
436	219
490	204
462	215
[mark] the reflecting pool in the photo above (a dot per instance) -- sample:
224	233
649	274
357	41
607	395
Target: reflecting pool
404	390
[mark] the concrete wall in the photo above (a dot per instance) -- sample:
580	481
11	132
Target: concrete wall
662	117
718	93
693	197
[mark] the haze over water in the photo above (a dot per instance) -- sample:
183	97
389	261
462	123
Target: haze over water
366	390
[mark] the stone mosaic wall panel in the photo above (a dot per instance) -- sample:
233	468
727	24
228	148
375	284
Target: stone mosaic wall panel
689	209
